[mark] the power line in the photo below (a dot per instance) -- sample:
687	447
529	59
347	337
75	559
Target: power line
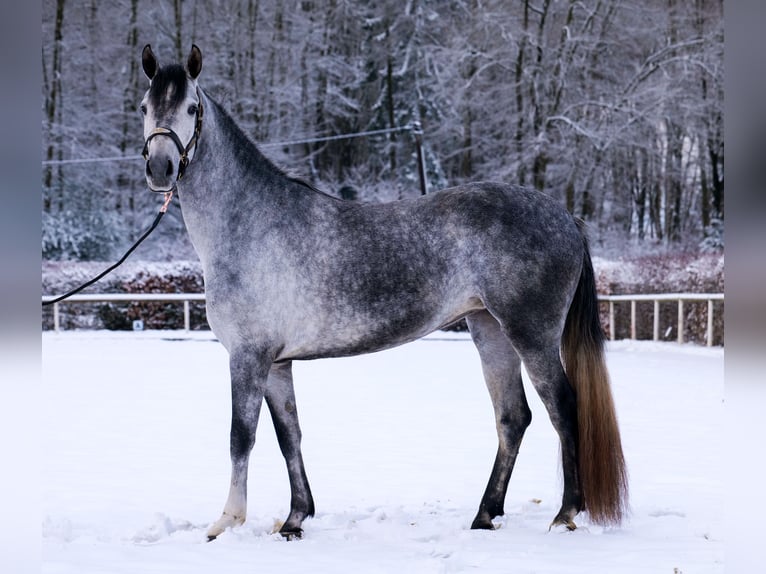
340	136
265	145
91	159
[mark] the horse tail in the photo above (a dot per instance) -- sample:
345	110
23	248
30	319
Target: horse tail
601	465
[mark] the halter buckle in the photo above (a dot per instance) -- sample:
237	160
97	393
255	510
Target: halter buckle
182	164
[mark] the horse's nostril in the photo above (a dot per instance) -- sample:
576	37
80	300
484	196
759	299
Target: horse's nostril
169	170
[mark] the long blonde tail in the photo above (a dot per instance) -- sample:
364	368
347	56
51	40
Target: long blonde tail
601	464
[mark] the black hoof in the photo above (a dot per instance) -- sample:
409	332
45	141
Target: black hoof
484	516
291	533
482	523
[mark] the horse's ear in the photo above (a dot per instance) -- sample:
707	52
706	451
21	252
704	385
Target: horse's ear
149	62
194	63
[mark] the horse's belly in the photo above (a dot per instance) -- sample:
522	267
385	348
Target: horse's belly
354	334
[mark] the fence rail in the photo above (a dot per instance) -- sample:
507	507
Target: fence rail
185	298
656	298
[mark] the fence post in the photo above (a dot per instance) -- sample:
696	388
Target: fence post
186	315
417	131
680	320
611	321
656	322
633	319
709	322
56	319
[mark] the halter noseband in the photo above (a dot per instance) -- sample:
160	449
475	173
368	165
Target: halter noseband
184	151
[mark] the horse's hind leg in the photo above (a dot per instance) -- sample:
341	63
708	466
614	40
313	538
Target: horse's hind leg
543	364
502	372
280	398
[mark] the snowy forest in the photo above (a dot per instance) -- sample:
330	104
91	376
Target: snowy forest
613	107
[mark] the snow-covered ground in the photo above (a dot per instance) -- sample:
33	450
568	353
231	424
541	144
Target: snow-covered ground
398	447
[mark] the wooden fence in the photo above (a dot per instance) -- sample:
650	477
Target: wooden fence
656	298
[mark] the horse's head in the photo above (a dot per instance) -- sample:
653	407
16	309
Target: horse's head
172	118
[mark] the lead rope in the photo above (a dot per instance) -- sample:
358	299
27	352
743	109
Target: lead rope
163	209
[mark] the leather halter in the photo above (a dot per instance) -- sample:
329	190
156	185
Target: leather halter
184	151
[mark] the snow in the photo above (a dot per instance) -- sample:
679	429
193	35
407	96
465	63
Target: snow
398	447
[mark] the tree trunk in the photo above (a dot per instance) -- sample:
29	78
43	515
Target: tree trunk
178	37
129	101
390	108
641	184
520	108
53	110
674	180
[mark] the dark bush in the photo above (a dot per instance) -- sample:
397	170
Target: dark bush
114	317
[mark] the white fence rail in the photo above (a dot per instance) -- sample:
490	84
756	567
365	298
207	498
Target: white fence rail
680	298
185	298
657	298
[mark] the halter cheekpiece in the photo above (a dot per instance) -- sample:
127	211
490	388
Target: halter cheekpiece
184	151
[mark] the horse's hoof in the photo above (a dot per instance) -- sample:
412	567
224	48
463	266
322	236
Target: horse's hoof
565	518
563	521
482	523
292	534
226	521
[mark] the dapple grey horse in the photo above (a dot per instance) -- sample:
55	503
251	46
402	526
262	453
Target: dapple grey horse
292	273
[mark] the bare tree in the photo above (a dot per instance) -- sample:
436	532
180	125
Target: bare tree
615	108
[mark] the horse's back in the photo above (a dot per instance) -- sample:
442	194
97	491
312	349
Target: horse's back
511	230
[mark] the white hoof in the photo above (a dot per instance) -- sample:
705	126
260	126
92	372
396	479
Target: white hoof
226	521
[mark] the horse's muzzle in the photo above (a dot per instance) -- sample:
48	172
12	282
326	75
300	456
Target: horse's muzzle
160	172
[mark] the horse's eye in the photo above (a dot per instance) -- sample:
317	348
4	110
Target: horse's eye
143	109
192	109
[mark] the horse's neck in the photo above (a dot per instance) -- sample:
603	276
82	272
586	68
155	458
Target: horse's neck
234	187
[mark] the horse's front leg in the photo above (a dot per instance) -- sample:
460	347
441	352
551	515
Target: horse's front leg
249	371
280	398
